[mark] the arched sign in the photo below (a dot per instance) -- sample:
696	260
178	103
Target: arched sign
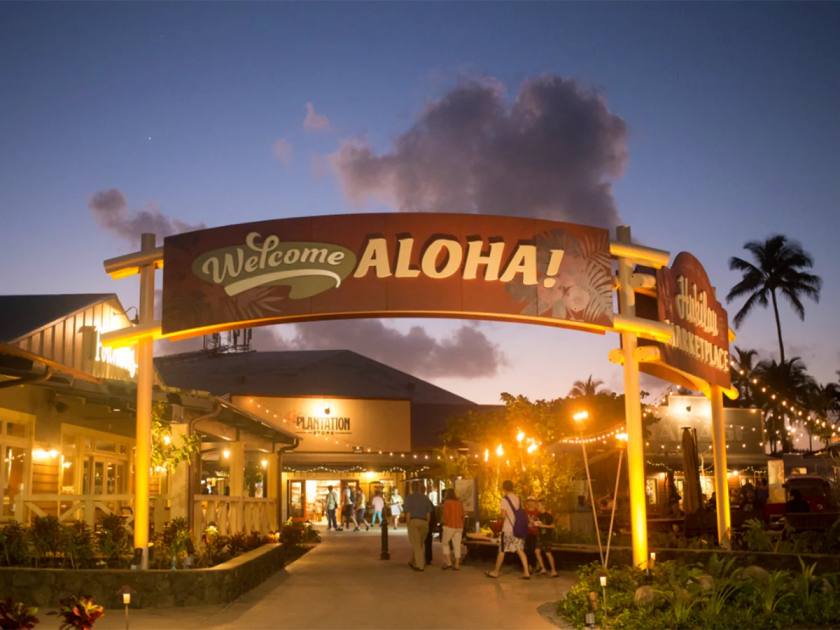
438	265
388	265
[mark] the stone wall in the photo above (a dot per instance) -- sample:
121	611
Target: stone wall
154	588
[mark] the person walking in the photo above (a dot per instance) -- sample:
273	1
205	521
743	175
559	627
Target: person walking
453	526
508	541
332	506
378	504
433	526
545	539
396	507
418	510
361	509
348	515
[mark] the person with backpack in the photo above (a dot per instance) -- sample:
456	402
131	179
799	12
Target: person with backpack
514	531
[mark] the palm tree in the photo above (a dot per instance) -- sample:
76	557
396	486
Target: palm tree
589	387
824	401
744	360
790	381
778	269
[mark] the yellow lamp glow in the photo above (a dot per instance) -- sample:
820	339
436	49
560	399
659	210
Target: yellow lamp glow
264	463
167	439
486	454
500	451
226	453
621	436
520	436
580	416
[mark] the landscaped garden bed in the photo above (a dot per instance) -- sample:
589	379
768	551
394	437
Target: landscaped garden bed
217	570
716	594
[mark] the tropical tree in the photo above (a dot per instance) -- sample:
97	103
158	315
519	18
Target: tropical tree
589	387
824	402
788	383
744	365
778	269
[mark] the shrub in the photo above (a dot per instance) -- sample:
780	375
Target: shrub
112	539
78	544
291	535
47	536
17	615
14	541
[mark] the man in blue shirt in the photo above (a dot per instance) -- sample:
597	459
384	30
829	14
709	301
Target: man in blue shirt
418	511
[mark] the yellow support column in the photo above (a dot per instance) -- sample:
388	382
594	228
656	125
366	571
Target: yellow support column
633	410
145	376
721	482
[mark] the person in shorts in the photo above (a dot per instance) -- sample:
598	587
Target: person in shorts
508	543
545	539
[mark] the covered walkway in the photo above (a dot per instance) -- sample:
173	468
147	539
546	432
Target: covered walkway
343	584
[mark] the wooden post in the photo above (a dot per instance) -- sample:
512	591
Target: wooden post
721	482
633	410
145	377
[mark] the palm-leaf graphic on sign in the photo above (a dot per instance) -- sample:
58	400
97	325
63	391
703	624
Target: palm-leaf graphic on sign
257	303
582	288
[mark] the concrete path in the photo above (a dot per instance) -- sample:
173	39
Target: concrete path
343	584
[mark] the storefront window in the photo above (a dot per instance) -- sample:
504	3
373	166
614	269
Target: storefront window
11	477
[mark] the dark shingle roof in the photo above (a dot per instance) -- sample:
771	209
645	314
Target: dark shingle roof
21	314
298	373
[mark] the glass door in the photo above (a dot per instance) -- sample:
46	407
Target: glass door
297	498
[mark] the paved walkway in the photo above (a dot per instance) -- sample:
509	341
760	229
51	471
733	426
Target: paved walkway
343	584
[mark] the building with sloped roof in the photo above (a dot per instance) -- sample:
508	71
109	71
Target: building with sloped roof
363	424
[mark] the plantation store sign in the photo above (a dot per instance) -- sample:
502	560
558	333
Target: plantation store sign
405	264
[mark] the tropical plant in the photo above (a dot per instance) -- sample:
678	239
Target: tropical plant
47	538
15	543
791	382
167	450
824	402
14	615
78	544
778	270
774	591
744	364
79	612
112	539
589	387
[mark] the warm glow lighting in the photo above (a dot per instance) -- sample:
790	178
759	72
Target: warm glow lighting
126	599
652	558
532	447
603	580
580	416
167	439
520	436
264	463
39	454
486	454
621	436
226	453
500	451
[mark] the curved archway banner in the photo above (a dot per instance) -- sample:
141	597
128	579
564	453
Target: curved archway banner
387	265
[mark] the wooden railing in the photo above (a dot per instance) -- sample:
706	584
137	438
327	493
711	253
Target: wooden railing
234	514
84	507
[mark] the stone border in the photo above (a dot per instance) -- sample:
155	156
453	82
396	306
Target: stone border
153	588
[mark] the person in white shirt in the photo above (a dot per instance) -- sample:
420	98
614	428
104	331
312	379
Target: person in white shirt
378	504
332	506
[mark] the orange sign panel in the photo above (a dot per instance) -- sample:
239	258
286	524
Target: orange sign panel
387	265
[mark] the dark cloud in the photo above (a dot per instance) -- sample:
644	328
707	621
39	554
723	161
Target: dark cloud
465	353
110	209
553	153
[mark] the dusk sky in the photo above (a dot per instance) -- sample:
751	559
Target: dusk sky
702	126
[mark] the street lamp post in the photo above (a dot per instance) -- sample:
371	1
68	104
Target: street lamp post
580	417
622	441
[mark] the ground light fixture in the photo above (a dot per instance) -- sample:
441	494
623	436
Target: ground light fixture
603	580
